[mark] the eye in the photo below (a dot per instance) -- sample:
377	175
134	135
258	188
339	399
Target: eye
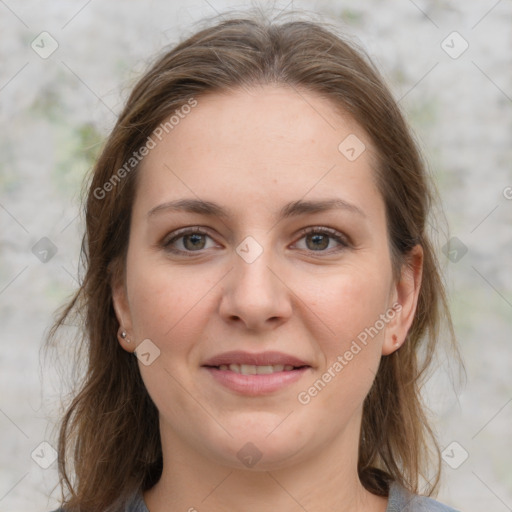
187	240
318	239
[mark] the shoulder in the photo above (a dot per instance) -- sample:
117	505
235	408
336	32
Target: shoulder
136	503
400	500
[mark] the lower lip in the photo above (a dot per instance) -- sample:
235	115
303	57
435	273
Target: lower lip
255	385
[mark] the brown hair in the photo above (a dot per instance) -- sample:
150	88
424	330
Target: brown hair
110	430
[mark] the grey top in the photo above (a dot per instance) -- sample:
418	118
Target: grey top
400	500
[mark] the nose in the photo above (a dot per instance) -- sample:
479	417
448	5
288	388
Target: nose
255	294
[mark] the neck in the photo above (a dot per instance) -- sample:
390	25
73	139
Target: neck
327	481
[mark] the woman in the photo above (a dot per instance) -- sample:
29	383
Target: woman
261	297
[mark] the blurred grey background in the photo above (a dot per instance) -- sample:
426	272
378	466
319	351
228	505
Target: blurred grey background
66	69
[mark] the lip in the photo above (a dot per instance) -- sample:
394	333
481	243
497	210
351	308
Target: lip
254	385
268	358
259	384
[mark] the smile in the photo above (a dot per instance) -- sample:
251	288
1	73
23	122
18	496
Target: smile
251	369
253	380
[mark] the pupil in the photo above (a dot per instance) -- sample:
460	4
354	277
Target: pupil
194	239
318	238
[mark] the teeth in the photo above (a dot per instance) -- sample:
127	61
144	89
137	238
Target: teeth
247	369
251	369
269	369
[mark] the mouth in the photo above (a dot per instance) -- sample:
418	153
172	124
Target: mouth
252	369
239	360
253	374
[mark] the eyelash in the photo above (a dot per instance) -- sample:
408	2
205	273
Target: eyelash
335	235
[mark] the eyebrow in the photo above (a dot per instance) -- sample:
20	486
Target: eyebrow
294	208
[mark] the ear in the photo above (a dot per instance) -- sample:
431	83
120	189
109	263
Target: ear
404	300
121	307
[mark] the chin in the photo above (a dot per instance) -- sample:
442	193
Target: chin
256	450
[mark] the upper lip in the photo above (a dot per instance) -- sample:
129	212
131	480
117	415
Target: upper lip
252	358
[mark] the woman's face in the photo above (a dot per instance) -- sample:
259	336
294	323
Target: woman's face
258	244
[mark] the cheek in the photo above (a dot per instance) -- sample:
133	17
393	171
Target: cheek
351	305
350	302
166	301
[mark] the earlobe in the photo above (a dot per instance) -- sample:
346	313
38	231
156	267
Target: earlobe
391	344
406	294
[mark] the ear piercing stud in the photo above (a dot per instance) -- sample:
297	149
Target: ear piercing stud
395	339
123	335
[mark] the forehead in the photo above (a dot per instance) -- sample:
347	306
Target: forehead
258	144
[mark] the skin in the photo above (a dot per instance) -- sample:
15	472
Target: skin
252	152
